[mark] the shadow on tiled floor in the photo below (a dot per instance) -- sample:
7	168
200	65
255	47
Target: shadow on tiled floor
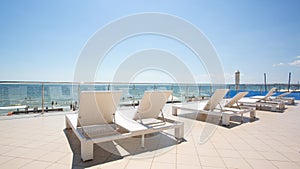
116	150
215	120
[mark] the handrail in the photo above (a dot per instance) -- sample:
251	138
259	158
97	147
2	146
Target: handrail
187	90
161	83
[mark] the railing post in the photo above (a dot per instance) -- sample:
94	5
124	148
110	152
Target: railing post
78	95
265	80
199	91
43	99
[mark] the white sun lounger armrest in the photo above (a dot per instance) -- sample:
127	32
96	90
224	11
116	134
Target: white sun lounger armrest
129	124
235	110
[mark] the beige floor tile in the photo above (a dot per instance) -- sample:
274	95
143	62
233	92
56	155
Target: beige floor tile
293	156
18	152
50	146
274	156
185	166
4	159
35	154
212	162
205	145
157	165
52	156
261	164
6	141
262	147
298	163
204	167
59	166
189	149
115	164
138	164
240	147
146	156
5	149
36	165
63	148
35	144
254	141
229	153
169	150
208	152
187	159
20	143
165	158
285	165
295	147
251	154
221	145
67	159
15	163
282	148
236	163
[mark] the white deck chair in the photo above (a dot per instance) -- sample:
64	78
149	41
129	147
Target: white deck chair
265	97
286	100
94	122
148	114
263	102
233	106
209	107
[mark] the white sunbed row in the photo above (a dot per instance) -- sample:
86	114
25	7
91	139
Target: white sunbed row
238	105
98	119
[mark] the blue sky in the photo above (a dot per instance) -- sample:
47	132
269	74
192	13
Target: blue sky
41	40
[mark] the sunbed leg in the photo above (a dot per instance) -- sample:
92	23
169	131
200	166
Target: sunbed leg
225	120
174	111
67	124
179	132
253	114
87	150
273	108
143	141
242	117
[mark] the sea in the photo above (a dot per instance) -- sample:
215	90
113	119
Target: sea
65	94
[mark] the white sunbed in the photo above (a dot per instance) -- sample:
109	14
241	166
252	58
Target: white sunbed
263	102
286	100
209	107
148	114
232	105
97	121
265	97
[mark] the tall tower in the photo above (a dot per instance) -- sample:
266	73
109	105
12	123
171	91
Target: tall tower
237	79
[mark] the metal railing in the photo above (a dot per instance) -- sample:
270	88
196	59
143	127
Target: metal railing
66	94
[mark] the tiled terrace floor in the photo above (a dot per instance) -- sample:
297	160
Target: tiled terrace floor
272	141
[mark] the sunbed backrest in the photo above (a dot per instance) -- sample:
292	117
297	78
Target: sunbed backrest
235	99
270	93
215	99
283	94
152	103
97	107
